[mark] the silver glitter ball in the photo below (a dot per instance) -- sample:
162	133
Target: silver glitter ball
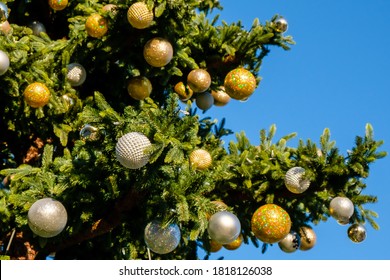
341	208
162	239
290	243
89	132
3	12
76	75
130	150
295	181
224	227
357	233
4	62
47	217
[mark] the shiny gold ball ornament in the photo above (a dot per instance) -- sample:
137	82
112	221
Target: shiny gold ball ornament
47	217
139	15
308	238
158	52
270	223
221	98
58	5
130	150
36	95
96	26
160	238
214	246
76	74
357	233
290	243
281	25
139	87
234	245
224	227
200	159
199	80
204	100
184	91
341	208
295	180
240	83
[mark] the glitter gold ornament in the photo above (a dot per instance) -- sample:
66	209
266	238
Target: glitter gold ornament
341	208
234	245
76	74
36	95
184	92
130	150
221	98
199	80
224	227
162	239
240	83
204	100
158	52
47	217
290	243
295	180
96	26
4	62
200	159
270	223
308	238
214	246
139	87
357	233
281	25
58	5
139	15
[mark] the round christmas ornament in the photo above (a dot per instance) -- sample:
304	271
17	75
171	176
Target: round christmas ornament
37	27
281	25
89	132
219	206
290	243
235	244
5	27
130	150
110	8
4	62
96	26
200	159
184	92
214	246
295	180
47	217
139	15
270	223
224	227
341	208
308	238
240	83
158	52
204	100
139	87
58	5
76	75
3	12
357	233
36	95
162	239
199	80
221	98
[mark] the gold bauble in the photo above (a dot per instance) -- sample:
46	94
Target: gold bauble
184	92
235	244
58	5
219	206
214	246
139	87
199	80
200	159
158	52
308	238
139	15
240	83
96	26
36	95
221	98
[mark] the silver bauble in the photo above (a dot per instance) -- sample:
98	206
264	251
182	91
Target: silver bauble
290	243
204	100
281	25
76	74
357	233
89	132
162	239
47	217
37	27
341	208
295	180
4	62
3	12
224	227
130	150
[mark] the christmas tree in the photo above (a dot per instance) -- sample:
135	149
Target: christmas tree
105	155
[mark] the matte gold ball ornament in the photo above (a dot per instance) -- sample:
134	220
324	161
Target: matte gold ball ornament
200	159
295	180
96	26
221	98
240	83
36	95
139	15
130	150
308	238
357	233
58	5
199	80
158	52
139	87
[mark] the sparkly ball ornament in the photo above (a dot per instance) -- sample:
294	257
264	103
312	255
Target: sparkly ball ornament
158	52
47	217
37	27
221	98
240	83
357	233
295	181
290	243
224	227
281	25
235	244
204	100
139	15
36	95
199	80
3	12
308	238
4	62
184	92
139	87
200	159
341	208
130	150
58	5
96	26
270	223
162	239
76	75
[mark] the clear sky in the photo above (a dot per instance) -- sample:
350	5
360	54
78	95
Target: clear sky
336	77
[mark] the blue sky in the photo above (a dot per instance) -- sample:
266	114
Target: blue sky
335	77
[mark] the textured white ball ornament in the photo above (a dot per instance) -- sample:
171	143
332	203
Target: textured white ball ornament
130	150
224	227
76	74
4	62
162	239
294	180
